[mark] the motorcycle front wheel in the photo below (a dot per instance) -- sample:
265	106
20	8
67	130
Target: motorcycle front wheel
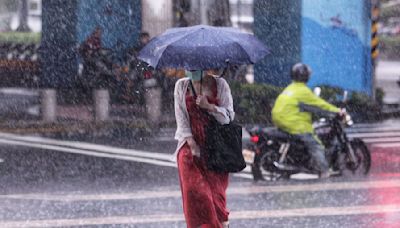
362	164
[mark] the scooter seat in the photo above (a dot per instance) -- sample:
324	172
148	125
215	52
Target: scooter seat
277	134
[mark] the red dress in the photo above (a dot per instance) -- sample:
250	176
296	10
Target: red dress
203	191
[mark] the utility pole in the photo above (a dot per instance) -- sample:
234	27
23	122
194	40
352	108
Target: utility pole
23	17
375	13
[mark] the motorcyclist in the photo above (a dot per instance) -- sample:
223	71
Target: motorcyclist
291	114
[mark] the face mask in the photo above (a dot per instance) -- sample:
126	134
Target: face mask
194	75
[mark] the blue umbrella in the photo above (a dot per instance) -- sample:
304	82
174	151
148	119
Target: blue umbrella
202	47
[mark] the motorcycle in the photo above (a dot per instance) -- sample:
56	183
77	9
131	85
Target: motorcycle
276	154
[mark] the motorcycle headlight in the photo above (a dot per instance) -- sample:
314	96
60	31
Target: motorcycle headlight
349	121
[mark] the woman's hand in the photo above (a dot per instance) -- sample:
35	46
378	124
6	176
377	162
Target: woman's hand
202	102
193	147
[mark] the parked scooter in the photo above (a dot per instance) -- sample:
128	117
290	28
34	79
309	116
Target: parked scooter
275	154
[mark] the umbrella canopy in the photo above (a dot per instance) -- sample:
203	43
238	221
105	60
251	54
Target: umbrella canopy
202	47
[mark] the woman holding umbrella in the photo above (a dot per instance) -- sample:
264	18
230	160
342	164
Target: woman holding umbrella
203	191
197	97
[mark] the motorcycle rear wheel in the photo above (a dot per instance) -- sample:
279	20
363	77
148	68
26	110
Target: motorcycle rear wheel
267	167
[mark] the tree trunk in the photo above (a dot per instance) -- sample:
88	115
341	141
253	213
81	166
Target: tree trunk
23	17
219	13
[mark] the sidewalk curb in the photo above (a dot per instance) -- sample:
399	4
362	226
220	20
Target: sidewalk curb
32	127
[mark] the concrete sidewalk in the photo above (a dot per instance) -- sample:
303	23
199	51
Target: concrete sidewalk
77	121
86	112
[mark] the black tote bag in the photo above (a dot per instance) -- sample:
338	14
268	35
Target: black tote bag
223	145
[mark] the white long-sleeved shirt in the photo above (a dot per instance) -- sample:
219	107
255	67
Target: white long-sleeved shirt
224	114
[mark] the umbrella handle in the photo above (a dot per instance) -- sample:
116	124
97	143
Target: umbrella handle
192	88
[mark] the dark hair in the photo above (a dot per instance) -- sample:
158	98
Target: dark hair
144	34
300	72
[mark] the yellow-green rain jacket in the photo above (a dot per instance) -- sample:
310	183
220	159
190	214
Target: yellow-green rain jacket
286	113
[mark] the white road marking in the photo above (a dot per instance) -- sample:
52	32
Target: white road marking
303	176
89	146
373	129
317	211
143	195
373	135
234	215
90	153
18	91
102	151
243	175
381	140
387	145
387	123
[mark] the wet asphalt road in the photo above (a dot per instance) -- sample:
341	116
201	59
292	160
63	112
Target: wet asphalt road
46	183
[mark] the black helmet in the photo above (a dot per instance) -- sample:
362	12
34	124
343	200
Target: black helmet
300	72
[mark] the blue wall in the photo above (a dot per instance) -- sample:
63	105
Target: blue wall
336	43
66	23
120	21
332	36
